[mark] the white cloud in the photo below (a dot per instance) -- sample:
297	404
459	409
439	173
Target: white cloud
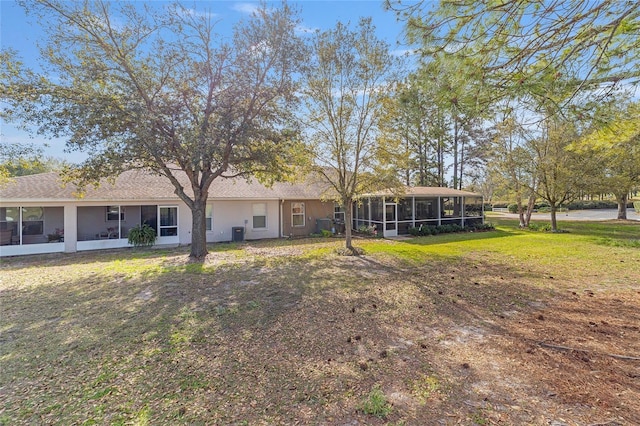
247	8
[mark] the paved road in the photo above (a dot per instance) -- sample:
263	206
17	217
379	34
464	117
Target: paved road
593	215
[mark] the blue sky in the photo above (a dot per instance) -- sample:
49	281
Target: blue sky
22	33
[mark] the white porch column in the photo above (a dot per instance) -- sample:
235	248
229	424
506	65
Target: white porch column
281	213
70	228
413	212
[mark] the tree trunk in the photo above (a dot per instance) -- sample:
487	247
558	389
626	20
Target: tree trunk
554	220
348	223
530	206
440	161
622	205
461	164
422	164
520	210
455	153
199	229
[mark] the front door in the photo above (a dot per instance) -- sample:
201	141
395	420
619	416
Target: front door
390	222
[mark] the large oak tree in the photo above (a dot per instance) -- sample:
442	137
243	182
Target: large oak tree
139	86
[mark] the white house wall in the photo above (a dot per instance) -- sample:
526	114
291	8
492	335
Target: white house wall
184	222
230	214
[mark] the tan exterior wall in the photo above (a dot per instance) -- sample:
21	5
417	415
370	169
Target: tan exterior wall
314	209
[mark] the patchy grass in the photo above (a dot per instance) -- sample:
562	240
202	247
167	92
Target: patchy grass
503	327
376	404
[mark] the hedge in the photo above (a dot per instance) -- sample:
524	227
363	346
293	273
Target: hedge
575	205
424	230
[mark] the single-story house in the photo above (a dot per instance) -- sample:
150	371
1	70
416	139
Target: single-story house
38	214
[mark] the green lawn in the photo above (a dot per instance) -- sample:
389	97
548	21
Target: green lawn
447	329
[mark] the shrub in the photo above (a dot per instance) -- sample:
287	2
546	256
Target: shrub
444	229
430	230
367	230
140	236
482	227
424	230
513	208
415	231
542	227
456	228
376	404
589	205
326	233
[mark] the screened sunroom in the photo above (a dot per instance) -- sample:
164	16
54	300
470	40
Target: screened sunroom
426	206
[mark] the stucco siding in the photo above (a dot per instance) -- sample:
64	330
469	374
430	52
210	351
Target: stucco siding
230	214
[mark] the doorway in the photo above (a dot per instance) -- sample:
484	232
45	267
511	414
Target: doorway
390	220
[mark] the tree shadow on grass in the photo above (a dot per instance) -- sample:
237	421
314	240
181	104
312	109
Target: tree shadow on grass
281	341
150	253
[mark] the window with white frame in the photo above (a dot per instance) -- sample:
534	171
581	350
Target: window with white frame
114	211
168	221
338	213
297	214
259	216
209	217
32	221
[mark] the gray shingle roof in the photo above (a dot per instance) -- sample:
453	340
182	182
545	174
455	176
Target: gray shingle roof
138	184
141	185
429	191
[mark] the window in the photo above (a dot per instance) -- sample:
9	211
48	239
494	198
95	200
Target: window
376	210
9	218
338	213
168	221
112	212
209	217
260	216
32	221
426	208
149	216
405	209
451	206
297	214
473	206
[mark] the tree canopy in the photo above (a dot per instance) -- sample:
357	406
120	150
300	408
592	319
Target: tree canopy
614	141
141	87
512	42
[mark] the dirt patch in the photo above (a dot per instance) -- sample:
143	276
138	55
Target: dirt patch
299	340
